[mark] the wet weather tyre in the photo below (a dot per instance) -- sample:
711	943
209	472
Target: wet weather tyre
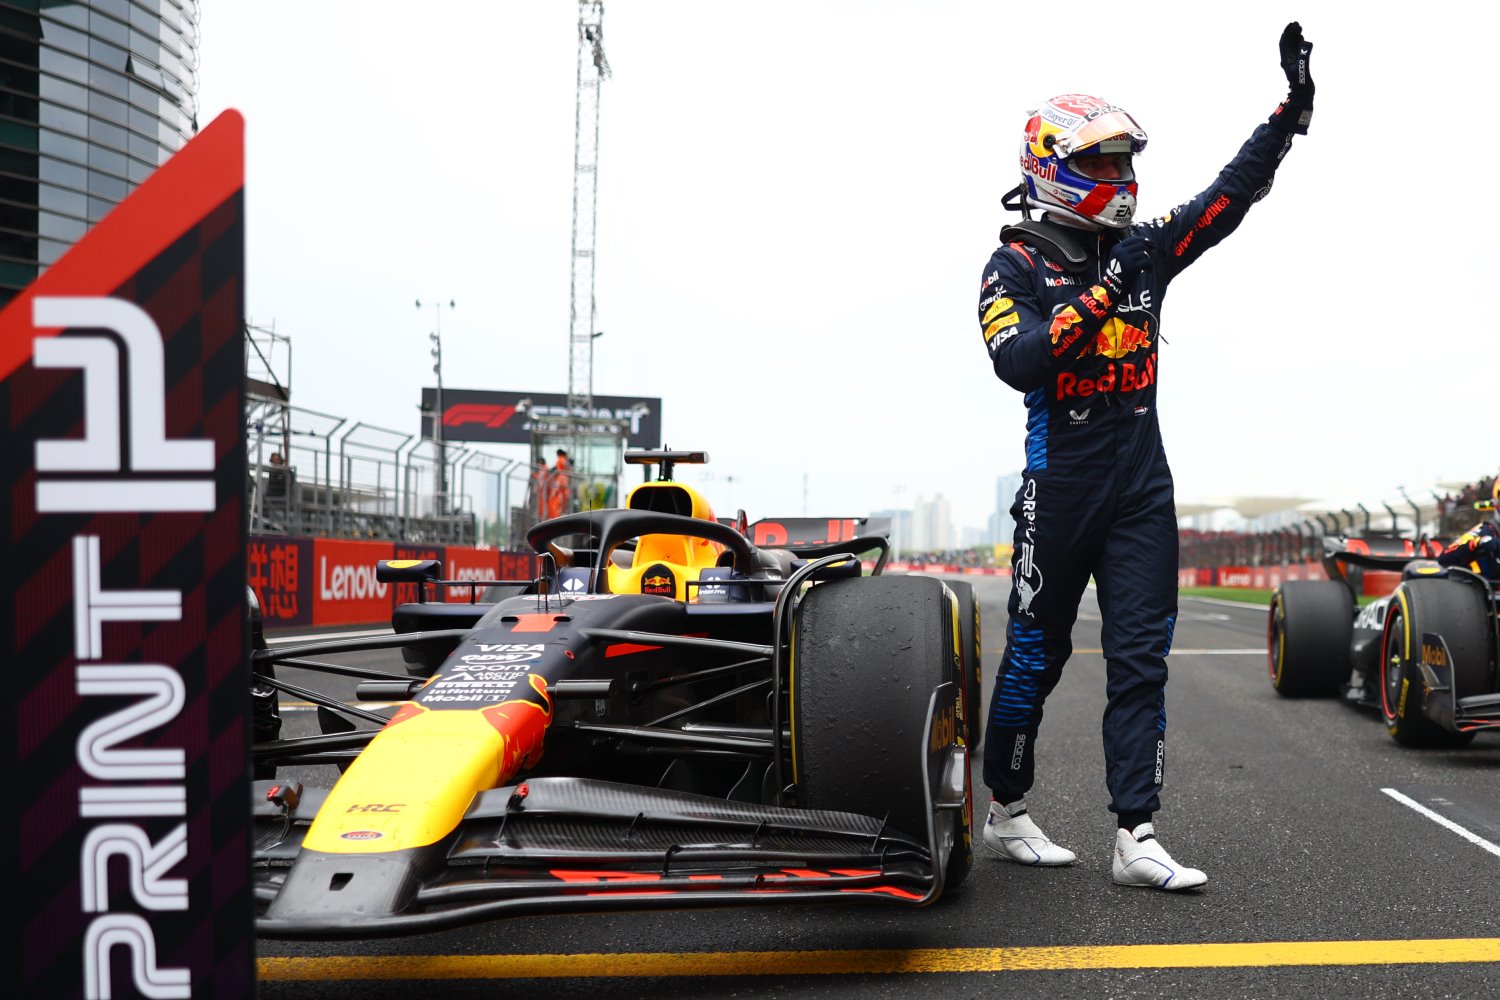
972	660
1309	631
866	655
1452	609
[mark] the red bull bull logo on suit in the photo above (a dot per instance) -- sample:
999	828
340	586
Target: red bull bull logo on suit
1118	338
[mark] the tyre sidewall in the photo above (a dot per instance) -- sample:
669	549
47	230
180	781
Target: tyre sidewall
860	700
971	668
1406	720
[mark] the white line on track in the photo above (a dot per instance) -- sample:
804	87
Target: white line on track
1243	605
1443	821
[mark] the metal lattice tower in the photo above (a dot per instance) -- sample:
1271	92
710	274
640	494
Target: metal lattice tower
593	68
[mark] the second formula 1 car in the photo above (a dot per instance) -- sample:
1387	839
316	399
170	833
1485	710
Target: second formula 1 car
1424	655
668	715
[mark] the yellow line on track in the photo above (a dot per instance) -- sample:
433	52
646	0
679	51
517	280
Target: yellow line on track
816	963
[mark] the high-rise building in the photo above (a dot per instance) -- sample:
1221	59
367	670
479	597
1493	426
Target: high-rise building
900	529
931	525
1002	525
93	97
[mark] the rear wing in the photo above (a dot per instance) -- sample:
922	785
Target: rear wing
1377	552
817	537
797	532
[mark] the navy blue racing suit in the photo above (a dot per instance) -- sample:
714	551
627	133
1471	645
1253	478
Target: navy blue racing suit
1096	496
1477	549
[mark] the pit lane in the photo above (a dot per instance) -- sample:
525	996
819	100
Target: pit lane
1321	882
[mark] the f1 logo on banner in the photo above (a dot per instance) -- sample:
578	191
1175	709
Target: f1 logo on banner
124	605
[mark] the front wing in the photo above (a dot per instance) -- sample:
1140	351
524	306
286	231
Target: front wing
552	845
574	845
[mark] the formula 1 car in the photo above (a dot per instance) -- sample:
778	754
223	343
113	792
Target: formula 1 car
667	716
1423	655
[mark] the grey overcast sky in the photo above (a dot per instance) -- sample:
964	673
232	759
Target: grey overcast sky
797	198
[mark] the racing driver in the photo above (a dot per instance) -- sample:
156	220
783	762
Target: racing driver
1070	310
1478	548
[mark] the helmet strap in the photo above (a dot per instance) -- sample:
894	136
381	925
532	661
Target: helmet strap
1014	200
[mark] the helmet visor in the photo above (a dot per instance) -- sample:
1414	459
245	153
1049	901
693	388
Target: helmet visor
1110	125
1097	166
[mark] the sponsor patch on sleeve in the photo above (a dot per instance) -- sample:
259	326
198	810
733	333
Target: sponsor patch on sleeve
1010	319
1000	305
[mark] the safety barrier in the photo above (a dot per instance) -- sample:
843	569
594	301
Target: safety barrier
331	581
1253	577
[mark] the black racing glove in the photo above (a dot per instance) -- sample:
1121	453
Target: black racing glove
1293	114
1129	258
1079	321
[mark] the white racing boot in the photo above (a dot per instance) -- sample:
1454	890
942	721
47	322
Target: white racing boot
1012	835
1141	860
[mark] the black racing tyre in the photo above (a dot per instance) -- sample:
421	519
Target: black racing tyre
1453	609
971	656
866	655
1309	631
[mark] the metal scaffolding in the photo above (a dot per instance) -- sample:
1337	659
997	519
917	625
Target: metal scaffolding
322	475
593	68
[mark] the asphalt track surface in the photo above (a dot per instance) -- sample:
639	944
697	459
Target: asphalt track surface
1340	865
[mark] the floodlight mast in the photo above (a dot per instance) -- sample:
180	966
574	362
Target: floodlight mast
593	69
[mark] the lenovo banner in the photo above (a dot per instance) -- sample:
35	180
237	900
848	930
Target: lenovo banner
123	607
1253	577
347	588
503	417
331	581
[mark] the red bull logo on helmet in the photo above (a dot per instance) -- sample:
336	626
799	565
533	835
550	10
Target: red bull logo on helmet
1031	165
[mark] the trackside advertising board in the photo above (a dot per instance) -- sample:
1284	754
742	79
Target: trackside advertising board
331	581
122	605
505	417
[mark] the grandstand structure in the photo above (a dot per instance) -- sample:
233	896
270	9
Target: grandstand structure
1282	531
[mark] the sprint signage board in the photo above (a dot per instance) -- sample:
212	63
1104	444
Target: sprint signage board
122	606
507	417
